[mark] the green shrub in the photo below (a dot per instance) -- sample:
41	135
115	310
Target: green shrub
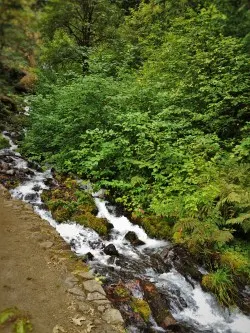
4	143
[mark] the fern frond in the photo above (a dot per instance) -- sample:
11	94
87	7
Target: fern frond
240	219
187	224
222	236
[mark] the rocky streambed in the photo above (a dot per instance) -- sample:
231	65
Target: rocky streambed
154	285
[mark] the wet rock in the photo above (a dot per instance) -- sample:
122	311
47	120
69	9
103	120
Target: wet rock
94	211
28	171
72	243
169	321
109	226
118	292
100	194
92	286
84	187
8	159
4	153
177	328
88	257
158	264
116	209
10	172
244	299
111	250
96	244
4	166
156	301
5	132
31	197
179	258
113	316
43	206
133	238
50	182
34	165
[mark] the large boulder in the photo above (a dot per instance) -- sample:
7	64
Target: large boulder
111	250
161	309
179	258
133	238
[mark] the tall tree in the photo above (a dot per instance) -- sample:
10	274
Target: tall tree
85	22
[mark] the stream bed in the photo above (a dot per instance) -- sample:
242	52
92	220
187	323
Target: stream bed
196	310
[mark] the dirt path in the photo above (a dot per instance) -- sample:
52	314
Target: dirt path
40	276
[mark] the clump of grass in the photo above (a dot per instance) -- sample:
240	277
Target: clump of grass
22	325
8	315
222	285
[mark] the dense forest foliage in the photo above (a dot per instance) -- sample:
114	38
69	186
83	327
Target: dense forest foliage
150	100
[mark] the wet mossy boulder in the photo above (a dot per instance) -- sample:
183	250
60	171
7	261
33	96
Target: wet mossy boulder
141	306
183	261
68	202
155	226
156	301
133	238
111	250
88	220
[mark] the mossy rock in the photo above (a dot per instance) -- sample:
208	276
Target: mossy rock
155	226
4	143
45	196
61	214
90	221
140	306
68	202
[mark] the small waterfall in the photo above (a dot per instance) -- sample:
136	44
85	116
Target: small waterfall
188	302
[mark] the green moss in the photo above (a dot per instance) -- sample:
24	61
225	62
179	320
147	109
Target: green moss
61	214
140	306
155	226
121	291
90	221
4	143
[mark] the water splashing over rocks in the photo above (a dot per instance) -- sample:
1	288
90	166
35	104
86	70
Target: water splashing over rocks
144	276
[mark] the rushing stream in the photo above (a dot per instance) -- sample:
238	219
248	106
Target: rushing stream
189	304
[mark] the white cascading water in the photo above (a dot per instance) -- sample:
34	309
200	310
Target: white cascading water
202	312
